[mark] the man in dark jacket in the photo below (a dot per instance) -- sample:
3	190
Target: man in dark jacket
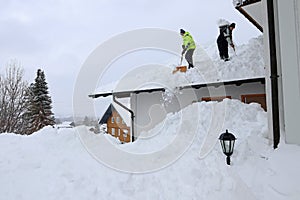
224	39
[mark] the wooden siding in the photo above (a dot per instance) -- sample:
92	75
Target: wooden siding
257	98
116	123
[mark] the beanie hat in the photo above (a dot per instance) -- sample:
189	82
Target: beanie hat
232	25
182	31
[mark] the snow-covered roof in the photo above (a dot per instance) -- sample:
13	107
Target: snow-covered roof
122	94
247	62
65	124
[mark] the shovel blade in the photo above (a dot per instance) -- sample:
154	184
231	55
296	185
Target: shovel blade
180	69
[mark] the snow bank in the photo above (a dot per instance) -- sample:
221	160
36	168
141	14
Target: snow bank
53	164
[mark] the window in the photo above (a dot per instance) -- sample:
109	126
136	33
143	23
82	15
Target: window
125	133
113	131
118	120
119	132
112	120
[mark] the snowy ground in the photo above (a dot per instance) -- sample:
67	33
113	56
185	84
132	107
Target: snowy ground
53	164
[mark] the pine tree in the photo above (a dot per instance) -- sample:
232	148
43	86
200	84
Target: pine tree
27	116
39	107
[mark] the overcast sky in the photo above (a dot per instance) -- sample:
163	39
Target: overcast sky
58	35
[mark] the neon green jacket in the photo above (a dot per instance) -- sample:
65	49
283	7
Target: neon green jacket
188	41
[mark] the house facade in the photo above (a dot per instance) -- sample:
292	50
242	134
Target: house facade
149	109
280	22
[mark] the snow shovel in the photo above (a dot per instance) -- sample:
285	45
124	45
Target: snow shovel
234	50
180	67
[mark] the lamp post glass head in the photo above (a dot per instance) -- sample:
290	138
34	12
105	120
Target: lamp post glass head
227	142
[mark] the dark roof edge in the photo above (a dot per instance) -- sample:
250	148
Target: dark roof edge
106	114
196	86
126	93
253	21
218	84
247	2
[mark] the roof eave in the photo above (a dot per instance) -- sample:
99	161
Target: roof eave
122	94
253	21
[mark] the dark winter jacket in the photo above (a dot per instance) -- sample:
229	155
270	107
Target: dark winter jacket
225	35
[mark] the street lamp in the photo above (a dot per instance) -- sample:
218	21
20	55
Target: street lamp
227	142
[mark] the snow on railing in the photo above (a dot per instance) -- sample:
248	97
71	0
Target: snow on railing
237	3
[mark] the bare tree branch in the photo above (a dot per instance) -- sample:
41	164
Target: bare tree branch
12	101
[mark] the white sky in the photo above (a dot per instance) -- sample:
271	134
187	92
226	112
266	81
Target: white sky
58	35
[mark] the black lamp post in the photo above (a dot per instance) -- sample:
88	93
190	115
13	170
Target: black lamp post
227	142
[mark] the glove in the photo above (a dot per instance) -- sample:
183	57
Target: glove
232	45
182	46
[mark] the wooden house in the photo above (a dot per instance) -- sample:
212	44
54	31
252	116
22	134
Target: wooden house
116	125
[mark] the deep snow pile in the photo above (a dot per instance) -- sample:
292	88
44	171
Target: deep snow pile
53	164
247	62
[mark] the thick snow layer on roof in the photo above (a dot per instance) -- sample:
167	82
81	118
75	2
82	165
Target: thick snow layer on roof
247	61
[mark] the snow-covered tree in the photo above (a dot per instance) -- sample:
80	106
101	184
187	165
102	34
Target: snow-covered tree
39	107
86	121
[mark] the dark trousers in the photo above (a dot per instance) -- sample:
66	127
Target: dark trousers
223	48
189	57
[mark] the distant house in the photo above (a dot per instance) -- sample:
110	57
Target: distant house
65	125
147	107
116	123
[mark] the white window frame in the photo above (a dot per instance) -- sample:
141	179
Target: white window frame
113	131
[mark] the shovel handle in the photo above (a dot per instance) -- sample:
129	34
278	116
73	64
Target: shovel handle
181	59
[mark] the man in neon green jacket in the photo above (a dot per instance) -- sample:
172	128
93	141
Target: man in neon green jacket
188	46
